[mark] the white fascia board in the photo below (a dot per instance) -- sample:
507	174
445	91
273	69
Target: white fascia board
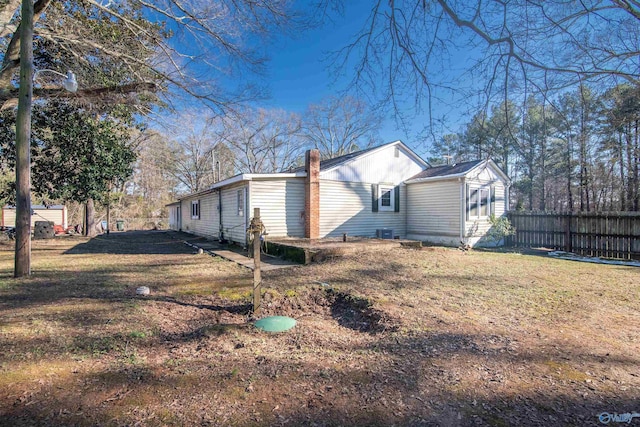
257	176
244	177
436	178
283	175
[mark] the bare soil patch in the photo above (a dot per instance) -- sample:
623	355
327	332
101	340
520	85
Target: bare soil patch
384	337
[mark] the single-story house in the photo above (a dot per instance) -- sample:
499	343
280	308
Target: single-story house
53	213
385	191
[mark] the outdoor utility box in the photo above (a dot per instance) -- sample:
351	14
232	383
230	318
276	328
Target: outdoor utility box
43	230
120	225
384	233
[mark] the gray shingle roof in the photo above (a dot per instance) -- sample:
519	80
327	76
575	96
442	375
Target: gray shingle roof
446	170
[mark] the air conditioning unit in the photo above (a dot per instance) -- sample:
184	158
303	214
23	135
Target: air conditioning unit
384	233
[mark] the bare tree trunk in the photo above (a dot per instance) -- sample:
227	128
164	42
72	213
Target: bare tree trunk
636	169
89	219
630	177
23	145
623	187
569	177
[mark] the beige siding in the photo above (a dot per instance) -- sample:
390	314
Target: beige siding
8	217
379	166
234	226
281	204
57	216
345	207
207	224
434	211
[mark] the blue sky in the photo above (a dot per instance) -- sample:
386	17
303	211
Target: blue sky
299	71
299	74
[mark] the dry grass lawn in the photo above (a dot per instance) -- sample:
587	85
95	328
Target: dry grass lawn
393	337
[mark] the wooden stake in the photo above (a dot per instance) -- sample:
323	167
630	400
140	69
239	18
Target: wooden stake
256	229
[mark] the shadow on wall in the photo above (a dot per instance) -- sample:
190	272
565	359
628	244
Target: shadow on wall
294	208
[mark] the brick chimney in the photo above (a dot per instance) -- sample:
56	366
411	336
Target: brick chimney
312	194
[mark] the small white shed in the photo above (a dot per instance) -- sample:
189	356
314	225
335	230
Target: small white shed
53	213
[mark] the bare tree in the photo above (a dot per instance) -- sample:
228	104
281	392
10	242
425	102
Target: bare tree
338	126
264	141
413	50
190	156
183	47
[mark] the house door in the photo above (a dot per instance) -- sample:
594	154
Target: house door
179	217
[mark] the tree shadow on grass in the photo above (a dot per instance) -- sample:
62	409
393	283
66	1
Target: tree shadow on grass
136	242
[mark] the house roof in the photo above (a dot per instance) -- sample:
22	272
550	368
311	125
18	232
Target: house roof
447	170
299	172
455	171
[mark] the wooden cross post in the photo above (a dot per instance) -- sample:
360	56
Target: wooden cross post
256	230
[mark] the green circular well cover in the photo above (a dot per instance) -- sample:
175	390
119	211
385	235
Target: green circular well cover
276	323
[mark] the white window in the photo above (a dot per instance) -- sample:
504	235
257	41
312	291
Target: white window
195	209
241	202
479	202
386	199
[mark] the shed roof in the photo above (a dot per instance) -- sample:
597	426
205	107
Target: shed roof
49	207
448	170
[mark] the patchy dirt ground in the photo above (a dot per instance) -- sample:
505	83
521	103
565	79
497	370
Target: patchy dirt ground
384	337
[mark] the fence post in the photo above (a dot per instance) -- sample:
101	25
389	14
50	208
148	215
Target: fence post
256	230
568	247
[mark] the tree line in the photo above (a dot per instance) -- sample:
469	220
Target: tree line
564	149
578	151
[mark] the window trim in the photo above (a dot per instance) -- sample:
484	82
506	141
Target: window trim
195	209
240	202
392	200
483	211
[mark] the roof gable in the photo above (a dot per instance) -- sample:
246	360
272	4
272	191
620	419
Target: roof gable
328	164
390	163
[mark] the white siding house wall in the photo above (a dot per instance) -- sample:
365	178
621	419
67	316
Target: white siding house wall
378	166
281	203
207	224
234	226
345	207
434	213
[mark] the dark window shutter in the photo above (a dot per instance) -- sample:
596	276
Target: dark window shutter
492	208
374	197
396	193
466	195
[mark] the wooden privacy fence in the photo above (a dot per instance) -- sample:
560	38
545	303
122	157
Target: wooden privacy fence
603	234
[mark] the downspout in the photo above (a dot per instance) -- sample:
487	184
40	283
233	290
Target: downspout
463	204
220	232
